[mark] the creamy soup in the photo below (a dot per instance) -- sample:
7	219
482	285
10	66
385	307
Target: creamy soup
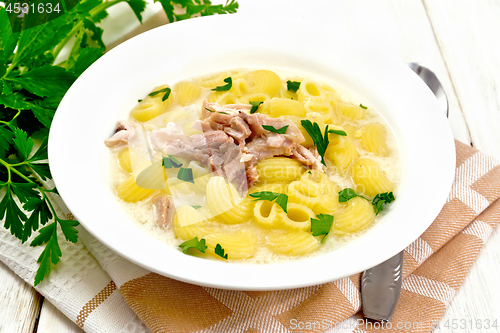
254	165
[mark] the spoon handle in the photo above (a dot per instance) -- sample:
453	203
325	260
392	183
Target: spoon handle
380	287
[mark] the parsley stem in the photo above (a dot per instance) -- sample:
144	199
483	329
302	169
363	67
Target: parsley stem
49	203
8	123
10	168
93	12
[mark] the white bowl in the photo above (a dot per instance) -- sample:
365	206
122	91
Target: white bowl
108	90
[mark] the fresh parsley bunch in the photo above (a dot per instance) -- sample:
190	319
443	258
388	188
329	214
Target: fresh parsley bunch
31	87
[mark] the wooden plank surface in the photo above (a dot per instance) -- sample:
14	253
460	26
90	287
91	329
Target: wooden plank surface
19	303
467	32
457	39
52	320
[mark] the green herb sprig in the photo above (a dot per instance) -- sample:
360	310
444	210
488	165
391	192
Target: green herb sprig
33	81
171	162
281	199
226	87
220	251
255	106
292	86
272	129
195	243
320	140
322	225
186	174
166	94
378	201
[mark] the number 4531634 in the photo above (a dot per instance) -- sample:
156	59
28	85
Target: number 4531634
26	8
471	324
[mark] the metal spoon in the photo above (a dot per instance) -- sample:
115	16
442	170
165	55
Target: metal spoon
381	285
432	82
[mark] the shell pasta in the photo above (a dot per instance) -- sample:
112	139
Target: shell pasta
254	165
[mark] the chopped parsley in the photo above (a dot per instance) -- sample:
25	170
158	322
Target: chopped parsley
347	194
363	107
321	225
378	201
170	162
320	141
166	90
255	106
281	130
281	199
194	243
292	86
226	87
196	207
381	199
338	132
186	174
220	251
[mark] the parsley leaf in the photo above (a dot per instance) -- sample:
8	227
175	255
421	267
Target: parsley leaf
194	243
381	199
45	81
347	194
320	141
51	253
171	162
338	132
226	87
292	86
264	195
321	225
220	251
6	137
137	7
378	201
166	90
281	130
255	106
23	143
195	7
186	174
14	216
40	214
281	199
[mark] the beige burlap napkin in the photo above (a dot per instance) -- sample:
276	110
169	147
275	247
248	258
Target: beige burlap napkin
102	292
434	268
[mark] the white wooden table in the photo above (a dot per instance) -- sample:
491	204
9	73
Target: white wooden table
458	39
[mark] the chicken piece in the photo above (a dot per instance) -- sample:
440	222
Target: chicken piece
164	209
124	133
174	144
209	108
239	130
306	157
255	121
